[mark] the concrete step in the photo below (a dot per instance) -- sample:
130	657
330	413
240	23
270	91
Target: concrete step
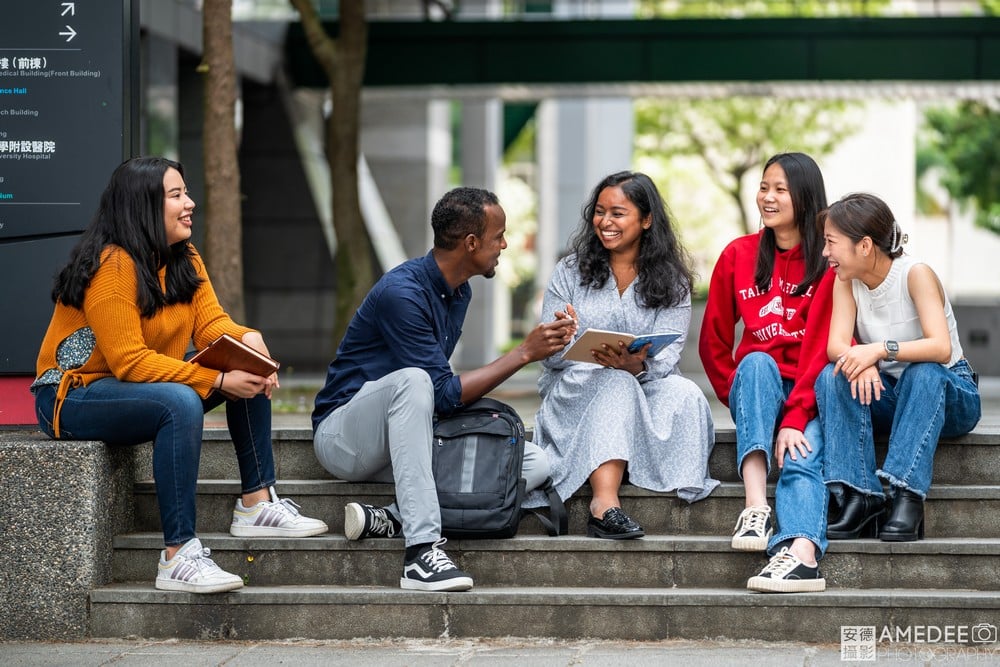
950	511
656	561
342	612
971	459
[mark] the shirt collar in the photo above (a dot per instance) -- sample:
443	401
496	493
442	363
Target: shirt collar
436	278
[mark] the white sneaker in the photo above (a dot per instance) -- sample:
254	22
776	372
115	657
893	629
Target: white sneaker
278	517
191	570
753	529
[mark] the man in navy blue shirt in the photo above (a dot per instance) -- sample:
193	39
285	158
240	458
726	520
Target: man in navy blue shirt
373	419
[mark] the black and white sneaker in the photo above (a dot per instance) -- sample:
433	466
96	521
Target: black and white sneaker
787	574
753	529
433	570
362	520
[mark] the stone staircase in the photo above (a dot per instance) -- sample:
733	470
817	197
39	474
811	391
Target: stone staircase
681	581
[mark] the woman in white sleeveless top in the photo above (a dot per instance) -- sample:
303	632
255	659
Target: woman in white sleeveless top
904	374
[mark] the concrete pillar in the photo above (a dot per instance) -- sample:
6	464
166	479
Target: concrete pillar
487	325
579	142
408	147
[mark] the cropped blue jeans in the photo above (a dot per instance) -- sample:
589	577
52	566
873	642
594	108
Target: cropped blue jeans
756	401
927	402
171	415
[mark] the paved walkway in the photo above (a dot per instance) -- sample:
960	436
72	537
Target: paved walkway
477	653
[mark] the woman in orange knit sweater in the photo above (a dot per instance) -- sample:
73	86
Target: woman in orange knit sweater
132	298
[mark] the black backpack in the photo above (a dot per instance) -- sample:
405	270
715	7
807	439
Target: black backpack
477	457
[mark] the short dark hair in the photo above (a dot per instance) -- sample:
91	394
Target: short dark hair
460	212
860	214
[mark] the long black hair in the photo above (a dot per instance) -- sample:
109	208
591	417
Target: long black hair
130	216
665	274
805	185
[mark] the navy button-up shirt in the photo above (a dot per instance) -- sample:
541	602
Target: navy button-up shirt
410	319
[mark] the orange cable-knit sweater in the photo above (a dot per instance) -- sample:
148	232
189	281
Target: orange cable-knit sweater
130	347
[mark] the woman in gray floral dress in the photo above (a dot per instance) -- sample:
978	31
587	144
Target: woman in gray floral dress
626	411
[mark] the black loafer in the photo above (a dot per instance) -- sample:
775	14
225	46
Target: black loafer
615	525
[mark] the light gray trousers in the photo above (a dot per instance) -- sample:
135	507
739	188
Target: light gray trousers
385	434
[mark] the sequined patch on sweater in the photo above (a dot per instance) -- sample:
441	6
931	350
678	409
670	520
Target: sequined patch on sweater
73	352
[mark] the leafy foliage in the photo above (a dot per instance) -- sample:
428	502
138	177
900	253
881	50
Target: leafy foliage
774	8
962	142
738	134
734	135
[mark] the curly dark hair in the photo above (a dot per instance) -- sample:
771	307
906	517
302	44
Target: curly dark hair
458	213
130	216
805	185
665	274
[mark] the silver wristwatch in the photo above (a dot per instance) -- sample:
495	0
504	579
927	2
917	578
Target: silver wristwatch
891	350
642	374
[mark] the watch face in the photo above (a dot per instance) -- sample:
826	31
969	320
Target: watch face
892	346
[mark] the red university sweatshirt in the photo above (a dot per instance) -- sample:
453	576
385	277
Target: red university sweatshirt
792	329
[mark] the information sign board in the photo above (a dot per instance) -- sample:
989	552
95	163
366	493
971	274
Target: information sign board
68	73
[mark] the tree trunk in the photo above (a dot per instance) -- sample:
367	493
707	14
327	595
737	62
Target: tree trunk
343	60
222	200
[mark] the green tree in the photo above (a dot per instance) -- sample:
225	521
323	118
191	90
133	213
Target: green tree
734	135
738	134
961	142
343	60
776	8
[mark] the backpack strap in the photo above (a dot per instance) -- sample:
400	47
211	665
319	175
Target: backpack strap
557	523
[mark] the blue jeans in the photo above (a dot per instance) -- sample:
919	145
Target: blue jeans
756	400
927	402
171	415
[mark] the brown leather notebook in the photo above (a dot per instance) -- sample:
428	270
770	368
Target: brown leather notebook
225	353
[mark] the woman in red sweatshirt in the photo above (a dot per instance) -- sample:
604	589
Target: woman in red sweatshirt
777	283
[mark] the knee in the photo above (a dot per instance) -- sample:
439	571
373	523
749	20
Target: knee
826	381
415	385
757	365
535	467
928	373
756	362
182	400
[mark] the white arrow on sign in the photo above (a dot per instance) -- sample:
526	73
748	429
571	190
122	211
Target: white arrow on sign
70	8
70	35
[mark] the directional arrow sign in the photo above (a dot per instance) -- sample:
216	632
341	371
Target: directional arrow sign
69	8
69	35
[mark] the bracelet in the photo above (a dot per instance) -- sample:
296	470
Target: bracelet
222	378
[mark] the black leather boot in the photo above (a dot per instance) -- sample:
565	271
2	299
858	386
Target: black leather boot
906	521
837	500
861	514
